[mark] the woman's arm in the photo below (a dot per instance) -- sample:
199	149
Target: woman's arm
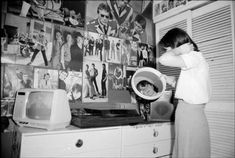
172	60
171	80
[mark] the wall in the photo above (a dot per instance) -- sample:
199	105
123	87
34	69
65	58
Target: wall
20	71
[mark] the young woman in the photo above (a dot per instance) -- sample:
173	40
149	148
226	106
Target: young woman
192	92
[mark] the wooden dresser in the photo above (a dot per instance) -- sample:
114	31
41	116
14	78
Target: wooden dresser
142	140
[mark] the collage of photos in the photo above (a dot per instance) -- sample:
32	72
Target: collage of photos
41	50
116	18
162	6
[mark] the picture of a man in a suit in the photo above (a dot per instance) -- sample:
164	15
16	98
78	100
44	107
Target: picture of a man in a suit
103	24
93	75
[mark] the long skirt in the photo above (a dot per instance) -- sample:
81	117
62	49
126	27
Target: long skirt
191	131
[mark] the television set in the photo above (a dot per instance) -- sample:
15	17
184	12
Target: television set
42	108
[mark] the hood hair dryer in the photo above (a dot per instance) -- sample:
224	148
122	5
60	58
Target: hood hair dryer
157	106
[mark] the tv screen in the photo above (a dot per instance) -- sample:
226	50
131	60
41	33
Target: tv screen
39	105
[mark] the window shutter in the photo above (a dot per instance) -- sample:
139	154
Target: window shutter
212	32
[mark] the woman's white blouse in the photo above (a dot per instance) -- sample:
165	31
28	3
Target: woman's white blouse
194	82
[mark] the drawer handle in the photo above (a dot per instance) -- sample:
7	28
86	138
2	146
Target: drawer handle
79	143
155	133
155	150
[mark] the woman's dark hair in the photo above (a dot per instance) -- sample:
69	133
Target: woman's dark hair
175	38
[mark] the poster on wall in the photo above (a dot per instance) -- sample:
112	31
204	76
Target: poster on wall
35	44
126	49
16	77
93	46
133	54
115	51
67	48
94	81
151	56
71	82
146	55
117	93
160	7
118	19
69	13
13	27
98	18
45	78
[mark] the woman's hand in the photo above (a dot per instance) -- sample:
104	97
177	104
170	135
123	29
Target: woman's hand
171	80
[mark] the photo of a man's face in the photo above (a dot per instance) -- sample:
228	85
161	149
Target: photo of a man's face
103	17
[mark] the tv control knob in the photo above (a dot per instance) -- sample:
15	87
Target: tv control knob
79	143
155	150
155	133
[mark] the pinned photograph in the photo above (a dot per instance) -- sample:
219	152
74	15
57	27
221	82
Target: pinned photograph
117	93
133	54
35	44
98	18
94	81
67	49
16	77
156	8
178	3
115	51
116	76
146	55
71	82
171	4
93	46
126	49
45	78
164	6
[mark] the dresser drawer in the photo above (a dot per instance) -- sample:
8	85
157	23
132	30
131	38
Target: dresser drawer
152	149
101	143
146	133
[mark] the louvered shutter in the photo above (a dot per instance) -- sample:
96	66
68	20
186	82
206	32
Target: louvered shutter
212	31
